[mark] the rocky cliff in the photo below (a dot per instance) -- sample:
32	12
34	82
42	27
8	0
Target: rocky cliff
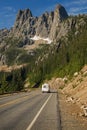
43	26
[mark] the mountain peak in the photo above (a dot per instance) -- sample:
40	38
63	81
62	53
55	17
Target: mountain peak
61	12
24	14
58	6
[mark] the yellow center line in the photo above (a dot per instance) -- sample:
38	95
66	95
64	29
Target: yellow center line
12	102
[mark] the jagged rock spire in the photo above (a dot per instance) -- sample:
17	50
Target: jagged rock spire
24	15
60	12
43	26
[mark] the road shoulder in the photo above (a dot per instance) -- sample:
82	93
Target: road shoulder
70	119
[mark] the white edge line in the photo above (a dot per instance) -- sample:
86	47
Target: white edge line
38	113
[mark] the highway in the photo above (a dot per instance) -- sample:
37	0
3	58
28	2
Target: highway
30	111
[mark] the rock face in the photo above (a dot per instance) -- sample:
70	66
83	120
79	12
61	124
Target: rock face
59	15
23	15
44	26
25	23
2	59
3	33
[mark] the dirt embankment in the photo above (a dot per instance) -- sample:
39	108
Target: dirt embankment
72	100
6	68
75	89
70	118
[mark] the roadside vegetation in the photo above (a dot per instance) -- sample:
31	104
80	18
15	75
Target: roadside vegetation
12	81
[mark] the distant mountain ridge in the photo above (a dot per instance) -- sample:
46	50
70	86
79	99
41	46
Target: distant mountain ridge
19	42
42	26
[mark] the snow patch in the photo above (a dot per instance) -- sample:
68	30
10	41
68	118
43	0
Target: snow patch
36	38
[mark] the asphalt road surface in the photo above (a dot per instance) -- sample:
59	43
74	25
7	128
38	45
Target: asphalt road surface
30	111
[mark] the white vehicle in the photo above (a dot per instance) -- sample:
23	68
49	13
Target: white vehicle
45	87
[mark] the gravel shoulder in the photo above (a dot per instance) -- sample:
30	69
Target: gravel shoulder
70	118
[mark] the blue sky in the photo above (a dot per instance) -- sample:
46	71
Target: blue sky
9	8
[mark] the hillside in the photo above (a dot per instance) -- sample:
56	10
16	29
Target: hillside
52	45
74	91
76	88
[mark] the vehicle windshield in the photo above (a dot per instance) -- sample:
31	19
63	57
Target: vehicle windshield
45	86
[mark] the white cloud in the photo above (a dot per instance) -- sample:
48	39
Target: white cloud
77	7
9	8
80	2
7	11
76	3
76	10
